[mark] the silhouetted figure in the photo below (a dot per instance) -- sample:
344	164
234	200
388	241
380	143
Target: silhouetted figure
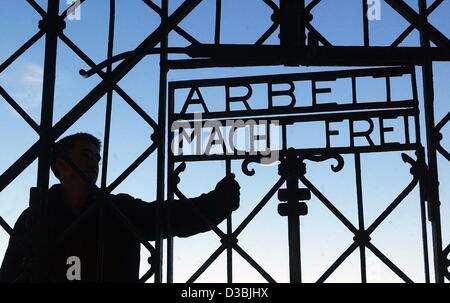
74	198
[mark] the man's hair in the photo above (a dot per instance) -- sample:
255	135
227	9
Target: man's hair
63	147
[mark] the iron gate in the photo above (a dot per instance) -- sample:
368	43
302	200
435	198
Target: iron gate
300	43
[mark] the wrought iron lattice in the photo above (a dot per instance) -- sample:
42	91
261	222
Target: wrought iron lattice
300	42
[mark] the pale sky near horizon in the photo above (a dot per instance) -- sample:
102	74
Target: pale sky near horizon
323	237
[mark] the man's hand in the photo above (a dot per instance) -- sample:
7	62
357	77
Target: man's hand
227	190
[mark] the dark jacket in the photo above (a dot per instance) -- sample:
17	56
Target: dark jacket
121	254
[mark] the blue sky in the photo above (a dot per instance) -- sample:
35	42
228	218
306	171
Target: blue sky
324	238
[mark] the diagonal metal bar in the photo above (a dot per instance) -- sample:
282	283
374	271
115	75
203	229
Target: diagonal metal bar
319	36
312	4
6	226
433	6
21	50
132	167
258	208
389	263
267	34
38	8
147	275
19	110
413	17
116	87
185	35
411	27
213	227
120	71
253	263
443	122
19	166
207	263
393	205
130	226
175	27
443	152
328	204
338	262
403	35
153	6
271	4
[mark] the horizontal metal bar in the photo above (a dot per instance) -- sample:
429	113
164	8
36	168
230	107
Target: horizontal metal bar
311	151
310	113
332	75
253	55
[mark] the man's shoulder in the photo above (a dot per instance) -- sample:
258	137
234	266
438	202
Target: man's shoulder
24	219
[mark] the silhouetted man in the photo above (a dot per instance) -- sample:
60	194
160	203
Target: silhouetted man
73	221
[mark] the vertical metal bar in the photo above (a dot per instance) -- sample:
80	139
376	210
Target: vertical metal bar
293	220
354	91
229	232
366	23
170	186
433	180
218	21
422	181
161	136
284	137
106	139
388	90
52	26
359	192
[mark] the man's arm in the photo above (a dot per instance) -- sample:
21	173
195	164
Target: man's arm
182	218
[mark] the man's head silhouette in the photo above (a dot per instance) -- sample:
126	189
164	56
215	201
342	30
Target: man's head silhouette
83	150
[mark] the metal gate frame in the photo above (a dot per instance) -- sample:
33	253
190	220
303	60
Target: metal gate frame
300	44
